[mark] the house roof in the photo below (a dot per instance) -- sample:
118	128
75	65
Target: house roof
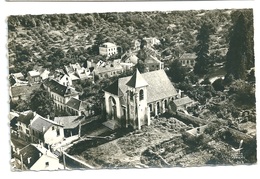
186	56
23	90
182	101
108	68
60	89
114	89
17	75
42	124
30	155
69	122
152	59
159	85
34	73
77	104
108	45
137	80
25	118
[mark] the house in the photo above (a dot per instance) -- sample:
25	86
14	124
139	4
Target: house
188	59
18	76
45	131
13	120
151	41
22	92
78	107
152	63
108	49
44	73
128	60
63	79
76	72
67	99
35	157
23	122
60	93
130	101
109	70
183	102
33	77
71	124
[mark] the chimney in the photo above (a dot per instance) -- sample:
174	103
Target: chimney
40	154
182	94
48	116
43	128
18	151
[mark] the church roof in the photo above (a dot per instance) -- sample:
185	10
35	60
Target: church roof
159	86
137	80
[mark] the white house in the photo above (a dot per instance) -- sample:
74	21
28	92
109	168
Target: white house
45	131
108	49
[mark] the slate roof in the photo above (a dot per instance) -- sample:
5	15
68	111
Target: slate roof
137	81
41	124
186	56
76	104
31	152
182	101
25	118
69	122
108	68
60	89
159	86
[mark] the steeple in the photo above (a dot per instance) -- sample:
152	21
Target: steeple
137	80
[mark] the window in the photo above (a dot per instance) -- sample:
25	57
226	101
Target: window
58	132
27	131
131	95
53	128
46	164
141	95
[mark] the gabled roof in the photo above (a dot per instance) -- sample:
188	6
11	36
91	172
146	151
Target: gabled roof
114	89
30	155
17	75
60	89
42	124
34	73
159	85
182	101
69	122
152	59
76	104
25	118
108	68
108	45
137	80
186	56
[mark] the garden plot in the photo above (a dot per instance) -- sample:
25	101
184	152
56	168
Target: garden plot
127	150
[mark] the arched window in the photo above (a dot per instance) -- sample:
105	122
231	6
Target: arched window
131	95
141	95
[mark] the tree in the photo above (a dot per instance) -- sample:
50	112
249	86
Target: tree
218	85
41	103
177	72
240	53
140	66
202	50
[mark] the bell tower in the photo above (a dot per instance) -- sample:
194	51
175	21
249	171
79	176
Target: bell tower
138	111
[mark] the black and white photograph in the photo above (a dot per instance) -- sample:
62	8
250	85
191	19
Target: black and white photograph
131	90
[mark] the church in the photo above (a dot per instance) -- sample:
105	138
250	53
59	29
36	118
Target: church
130	101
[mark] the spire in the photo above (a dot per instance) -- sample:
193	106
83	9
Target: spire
137	80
